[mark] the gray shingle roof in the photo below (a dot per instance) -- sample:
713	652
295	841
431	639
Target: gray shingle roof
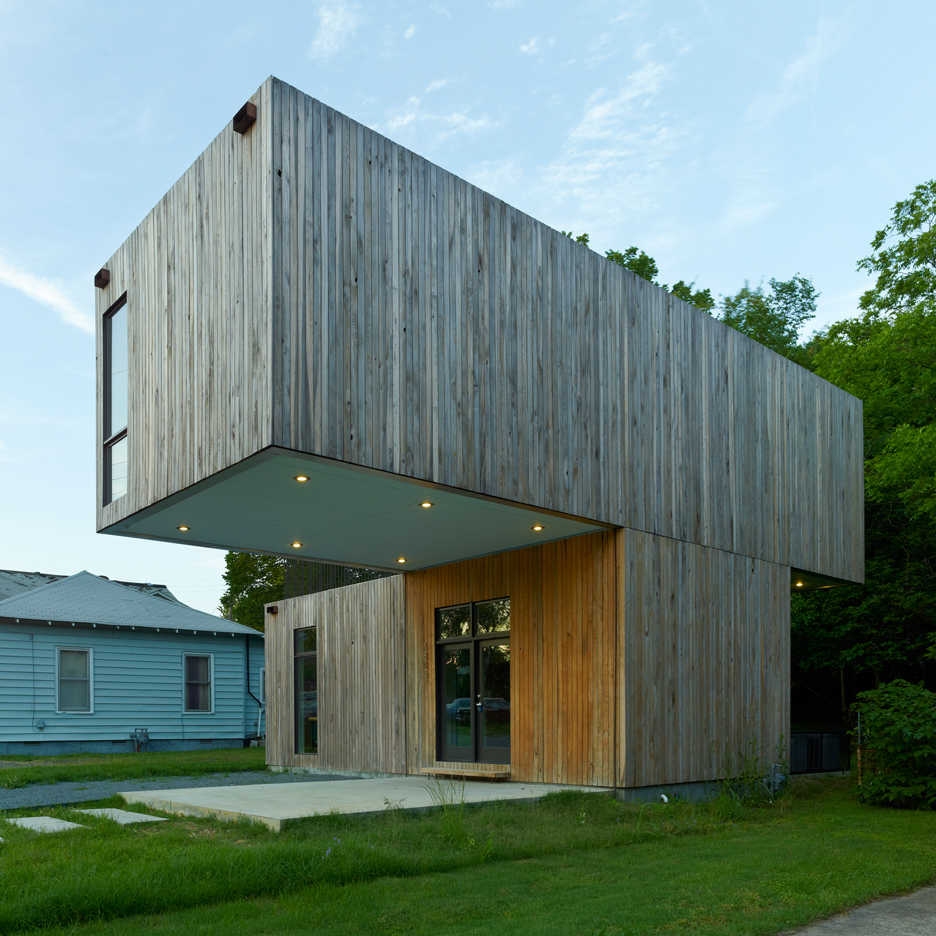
89	599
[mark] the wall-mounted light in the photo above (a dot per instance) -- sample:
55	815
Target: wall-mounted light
183	528
102	278
537	527
427	504
301	478
296	545
245	118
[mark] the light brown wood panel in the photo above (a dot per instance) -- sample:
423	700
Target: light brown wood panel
704	647
361	678
563	675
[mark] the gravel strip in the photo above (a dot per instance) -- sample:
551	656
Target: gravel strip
59	794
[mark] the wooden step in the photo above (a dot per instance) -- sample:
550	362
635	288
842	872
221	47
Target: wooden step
457	773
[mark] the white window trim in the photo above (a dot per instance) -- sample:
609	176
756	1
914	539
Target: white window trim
188	711
58	685
262	692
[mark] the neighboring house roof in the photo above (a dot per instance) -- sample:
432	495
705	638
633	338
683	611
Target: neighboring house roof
13	583
89	599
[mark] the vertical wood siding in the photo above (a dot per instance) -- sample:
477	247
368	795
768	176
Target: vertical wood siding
426	328
361	686
562	638
705	659
315	286
197	274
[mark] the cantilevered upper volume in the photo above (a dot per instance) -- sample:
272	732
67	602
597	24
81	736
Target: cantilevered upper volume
312	301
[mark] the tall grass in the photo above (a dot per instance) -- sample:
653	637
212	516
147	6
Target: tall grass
570	857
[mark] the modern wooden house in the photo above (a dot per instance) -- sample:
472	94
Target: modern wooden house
91	665
320	345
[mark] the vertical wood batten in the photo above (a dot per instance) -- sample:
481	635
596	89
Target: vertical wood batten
362	691
704	670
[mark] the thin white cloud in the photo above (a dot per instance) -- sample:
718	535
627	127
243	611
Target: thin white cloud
443	126
337	24
7	456
618	161
47	292
503	4
606	116
436	85
800	79
410	31
531	47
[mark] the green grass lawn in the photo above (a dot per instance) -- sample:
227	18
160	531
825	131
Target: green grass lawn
84	768
573	863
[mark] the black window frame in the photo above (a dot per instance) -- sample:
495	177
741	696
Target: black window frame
298	658
472	641
111	438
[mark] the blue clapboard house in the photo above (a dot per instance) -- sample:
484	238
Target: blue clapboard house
92	665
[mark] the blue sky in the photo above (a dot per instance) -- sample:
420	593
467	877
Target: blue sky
730	140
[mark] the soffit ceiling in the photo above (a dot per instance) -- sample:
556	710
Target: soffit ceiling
343	514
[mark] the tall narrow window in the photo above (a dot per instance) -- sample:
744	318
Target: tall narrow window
197	670
74	679
307	691
115	401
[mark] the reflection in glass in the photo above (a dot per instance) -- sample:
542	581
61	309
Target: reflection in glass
454	622
307	705
495	682
197	684
116	337
74	681
306	640
117	468
456	680
493	616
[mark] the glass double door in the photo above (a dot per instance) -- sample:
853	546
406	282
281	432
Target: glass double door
473	670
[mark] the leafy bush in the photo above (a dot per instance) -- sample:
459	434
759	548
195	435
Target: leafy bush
898	723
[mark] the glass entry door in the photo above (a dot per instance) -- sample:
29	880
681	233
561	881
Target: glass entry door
473	672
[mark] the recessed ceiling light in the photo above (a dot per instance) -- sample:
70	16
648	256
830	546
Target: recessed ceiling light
183	528
799	584
301	478
296	545
401	559
537	527
427	504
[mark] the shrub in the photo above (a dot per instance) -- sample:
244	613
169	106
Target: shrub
898	723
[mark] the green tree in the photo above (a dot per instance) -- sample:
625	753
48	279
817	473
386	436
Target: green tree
645	266
252	583
904	255
859	636
773	317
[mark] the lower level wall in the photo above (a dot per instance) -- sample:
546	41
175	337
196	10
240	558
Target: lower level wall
562	636
637	661
361	684
705	658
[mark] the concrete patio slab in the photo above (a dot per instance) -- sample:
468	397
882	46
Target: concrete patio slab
122	816
45	824
275	806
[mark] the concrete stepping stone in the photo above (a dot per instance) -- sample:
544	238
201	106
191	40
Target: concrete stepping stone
122	816
45	824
